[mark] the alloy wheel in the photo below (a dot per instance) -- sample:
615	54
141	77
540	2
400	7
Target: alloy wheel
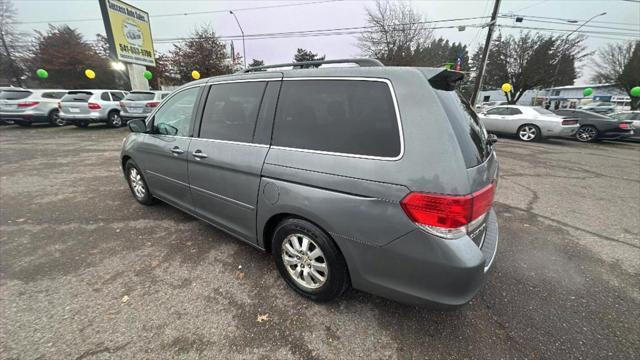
528	133
116	120
305	262
586	133
139	189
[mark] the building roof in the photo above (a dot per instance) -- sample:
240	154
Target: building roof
568	87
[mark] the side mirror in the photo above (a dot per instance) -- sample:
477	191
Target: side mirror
137	126
492	139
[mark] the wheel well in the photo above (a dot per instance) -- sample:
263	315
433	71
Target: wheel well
124	160
270	226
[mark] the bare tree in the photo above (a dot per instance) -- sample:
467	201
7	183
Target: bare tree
619	64
9	52
396	30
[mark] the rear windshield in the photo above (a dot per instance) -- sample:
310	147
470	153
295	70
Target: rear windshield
77	97
14	95
542	111
466	126
140	96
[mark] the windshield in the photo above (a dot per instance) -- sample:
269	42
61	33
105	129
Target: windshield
14	95
140	96
542	111
466	126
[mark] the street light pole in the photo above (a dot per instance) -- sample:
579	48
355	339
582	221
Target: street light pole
244	51
562	45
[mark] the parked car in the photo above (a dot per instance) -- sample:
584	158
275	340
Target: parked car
138	104
599	107
633	116
595	127
83	107
488	105
323	168
30	106
527	122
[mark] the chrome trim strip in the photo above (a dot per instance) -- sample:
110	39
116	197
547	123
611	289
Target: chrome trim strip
243	80
223	198
232	142
166	178
395	105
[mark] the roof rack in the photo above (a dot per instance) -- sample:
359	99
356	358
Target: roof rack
306	64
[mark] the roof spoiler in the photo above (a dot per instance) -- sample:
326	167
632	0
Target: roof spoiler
446	80
307	64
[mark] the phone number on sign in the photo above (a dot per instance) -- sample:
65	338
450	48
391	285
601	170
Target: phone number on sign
135	51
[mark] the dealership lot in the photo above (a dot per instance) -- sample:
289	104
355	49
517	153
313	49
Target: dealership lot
86	272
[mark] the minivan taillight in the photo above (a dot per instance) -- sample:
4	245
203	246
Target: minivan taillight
569	122
152	104
94	106
26	104
449	216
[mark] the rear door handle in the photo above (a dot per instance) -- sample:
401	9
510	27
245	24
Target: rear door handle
198	154
176	150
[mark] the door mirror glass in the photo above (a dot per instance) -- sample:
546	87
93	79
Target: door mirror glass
137	126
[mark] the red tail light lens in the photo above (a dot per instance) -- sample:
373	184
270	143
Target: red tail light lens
94	106
625	126
569	122
448	215
26	104
152	104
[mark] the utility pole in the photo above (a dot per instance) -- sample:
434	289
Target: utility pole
485	53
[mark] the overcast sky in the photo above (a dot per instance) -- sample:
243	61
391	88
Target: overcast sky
621	14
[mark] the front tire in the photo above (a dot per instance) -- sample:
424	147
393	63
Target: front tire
528	133
587	133
114	120
137	184
309	261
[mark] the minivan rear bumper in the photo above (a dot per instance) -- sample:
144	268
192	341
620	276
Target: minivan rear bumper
419	268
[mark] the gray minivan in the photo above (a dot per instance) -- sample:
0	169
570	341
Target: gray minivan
379	178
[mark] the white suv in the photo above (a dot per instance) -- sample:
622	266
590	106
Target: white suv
83	107
28	106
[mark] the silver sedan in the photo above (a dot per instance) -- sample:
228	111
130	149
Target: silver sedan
527	122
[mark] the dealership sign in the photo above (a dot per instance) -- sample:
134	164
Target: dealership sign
129	32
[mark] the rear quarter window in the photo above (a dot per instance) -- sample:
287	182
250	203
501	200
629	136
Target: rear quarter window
466	126
339	116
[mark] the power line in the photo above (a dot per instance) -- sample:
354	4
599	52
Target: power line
570	24
185	13
573	21
630	35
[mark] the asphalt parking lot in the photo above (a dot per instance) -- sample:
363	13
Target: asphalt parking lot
87	273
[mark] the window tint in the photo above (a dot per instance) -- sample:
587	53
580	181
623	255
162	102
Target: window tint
175	115
342	116
140	96
105	96
53	95
497	111
163	96
514	111
14	95
77	97
231	111
117	95
466	127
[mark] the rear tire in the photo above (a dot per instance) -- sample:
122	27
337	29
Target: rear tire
114	119
137	184
587	133
528	132
309	260
55	120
